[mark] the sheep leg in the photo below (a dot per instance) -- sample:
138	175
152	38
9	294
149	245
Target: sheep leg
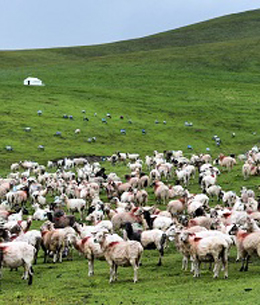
26	269
30	270
243	265
247	261
60	254
91	266
111	272
135	266
184	263
45	256
115	272
216	268
54	257
196	268
225	264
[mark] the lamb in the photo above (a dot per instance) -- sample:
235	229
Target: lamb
124	253
151	239
75	205
14	255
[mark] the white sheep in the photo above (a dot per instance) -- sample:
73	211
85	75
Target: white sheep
205	249
14	255
75	204
92	250
123	253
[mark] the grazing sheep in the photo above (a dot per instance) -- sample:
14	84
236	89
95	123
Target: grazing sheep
124	253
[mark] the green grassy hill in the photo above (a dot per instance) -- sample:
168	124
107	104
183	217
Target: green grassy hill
207	73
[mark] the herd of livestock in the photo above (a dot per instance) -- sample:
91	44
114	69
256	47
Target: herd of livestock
101	215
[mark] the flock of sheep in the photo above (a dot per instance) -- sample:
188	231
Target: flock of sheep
122	220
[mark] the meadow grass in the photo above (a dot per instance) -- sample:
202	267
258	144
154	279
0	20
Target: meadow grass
207	74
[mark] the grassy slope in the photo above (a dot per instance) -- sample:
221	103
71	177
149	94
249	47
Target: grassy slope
205	73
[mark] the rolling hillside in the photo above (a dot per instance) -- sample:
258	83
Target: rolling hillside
207	74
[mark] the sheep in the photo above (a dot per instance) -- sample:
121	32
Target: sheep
227	161
151	239
40	214
60	219
214	190
120	219
124	253
121	157
203	221
132	157
247	245
165	170
33	238
75	205
14	167
149	162
182	176
154	175
161	192
173	233
144	181
92	250
54	240
211	248
134	166
14	255
229	198
162	222
77	131
175	190
140	197
16	217
176	206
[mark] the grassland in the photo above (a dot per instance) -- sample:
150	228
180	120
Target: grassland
207	74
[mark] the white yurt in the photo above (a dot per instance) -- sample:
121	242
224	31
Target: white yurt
33	81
